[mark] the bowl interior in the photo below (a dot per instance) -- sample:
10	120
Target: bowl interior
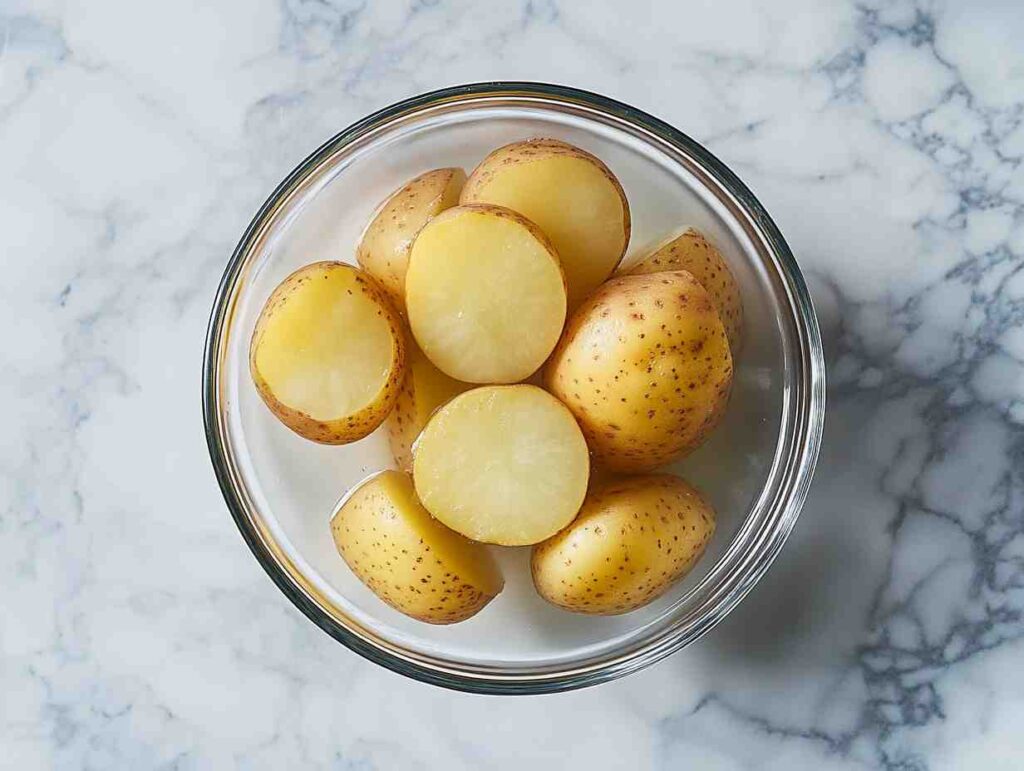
292	485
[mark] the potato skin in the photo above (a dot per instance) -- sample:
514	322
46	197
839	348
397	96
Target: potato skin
692	252
349	428
383	250
633	538
644	365
407	558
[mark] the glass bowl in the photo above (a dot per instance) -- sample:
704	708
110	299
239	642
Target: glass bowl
755	469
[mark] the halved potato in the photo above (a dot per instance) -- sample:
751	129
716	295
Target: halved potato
502	464
328	353
633	538
485	294
645	367
691	251
424	389
571	195
384	248
409	559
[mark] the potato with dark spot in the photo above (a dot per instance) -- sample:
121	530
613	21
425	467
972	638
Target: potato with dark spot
644	365
424	390
691	251
383	250
328	353
409	559
633	538
571	195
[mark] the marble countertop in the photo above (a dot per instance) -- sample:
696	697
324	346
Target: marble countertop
137	140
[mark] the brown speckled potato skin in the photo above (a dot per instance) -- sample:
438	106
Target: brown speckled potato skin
644	365
349	428
691	251
633	538
405	564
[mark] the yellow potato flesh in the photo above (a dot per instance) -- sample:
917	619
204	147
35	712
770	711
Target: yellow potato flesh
425	389
384	248
632	539
691	251
502	464
570	195
327	354
409	559
645	367
485	295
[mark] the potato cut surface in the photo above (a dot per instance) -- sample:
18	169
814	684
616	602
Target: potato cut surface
485	294
633	538
409	559
502	464
384	248
691	251
328	353
424	389
570	194
645	367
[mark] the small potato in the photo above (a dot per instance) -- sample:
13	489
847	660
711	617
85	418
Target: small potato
485	294
384	248
409	559
645	367
502	464
328	353
571	195
424	390
691	252
632	539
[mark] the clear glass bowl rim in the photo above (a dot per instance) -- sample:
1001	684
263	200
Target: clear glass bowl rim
781	502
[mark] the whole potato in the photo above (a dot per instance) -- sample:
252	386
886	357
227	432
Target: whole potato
632	539
644	365
328	353
691	251
383	250
409	559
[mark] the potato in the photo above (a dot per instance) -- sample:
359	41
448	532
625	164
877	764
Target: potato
690	251
424	389
485	294
571	195
383	250
633	538
409	559
502	464
645	367
328	353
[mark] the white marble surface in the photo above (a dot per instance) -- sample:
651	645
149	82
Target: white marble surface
138	138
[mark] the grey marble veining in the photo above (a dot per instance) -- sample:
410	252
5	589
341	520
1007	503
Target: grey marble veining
136	141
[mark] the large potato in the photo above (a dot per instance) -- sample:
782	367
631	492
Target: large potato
571	195
691	252
632	539
645	367
409	559
384	248
424	390
328	353
502	464
485	294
